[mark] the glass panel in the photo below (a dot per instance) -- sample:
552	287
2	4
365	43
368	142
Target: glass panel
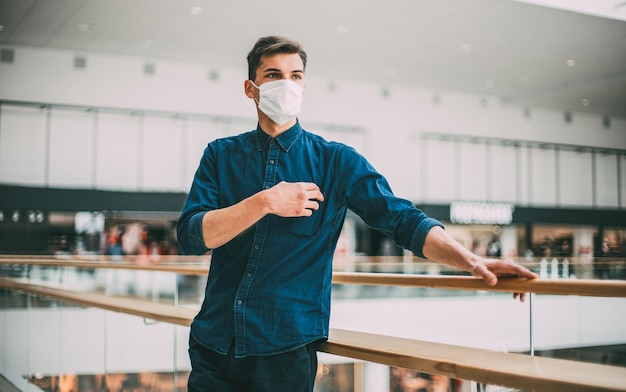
161	148
54	346
543	178
575	178
71	148
23	145
607	180
504	174
472	172
117	151
438	182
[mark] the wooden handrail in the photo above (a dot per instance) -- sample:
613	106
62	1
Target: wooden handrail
583	287
465	363
177	268
528	373
150	310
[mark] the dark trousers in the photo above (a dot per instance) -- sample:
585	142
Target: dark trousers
292	371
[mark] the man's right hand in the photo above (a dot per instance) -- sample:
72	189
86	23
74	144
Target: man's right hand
286	199
293	199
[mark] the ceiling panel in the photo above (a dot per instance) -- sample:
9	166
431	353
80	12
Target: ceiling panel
510	49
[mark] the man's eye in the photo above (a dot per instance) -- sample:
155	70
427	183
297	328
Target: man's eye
297	76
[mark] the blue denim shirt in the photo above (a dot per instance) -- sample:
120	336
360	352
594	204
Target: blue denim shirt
269	288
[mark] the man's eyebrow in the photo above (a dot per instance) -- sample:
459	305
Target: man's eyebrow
267	70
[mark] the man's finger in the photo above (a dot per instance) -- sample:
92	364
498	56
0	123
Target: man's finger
313	191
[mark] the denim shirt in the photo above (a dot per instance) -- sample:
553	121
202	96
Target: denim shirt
269	288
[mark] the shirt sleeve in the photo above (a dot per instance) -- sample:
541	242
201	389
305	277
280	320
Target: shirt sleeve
369	195
203	196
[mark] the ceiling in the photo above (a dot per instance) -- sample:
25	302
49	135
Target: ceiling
521	53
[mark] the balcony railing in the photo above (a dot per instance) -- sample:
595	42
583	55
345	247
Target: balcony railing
483	366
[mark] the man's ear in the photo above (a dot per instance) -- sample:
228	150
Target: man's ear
249	88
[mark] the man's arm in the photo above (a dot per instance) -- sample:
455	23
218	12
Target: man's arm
283	199
439	246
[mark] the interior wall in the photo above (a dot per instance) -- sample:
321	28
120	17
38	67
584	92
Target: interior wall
135	150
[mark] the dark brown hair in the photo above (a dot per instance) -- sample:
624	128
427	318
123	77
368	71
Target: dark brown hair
271	45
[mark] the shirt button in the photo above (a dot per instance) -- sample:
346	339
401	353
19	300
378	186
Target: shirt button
256	247
239	302
271	161
249	275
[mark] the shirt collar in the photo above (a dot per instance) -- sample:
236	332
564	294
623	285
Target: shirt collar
285	140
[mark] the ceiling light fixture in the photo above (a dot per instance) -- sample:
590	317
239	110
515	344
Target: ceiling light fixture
612	9
585	102
147	44
342	29
570	63
466	47
1	28
196	10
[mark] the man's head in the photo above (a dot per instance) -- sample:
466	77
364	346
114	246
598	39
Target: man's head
269	46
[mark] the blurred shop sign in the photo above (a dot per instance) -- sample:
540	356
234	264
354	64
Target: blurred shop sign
89	222
481	213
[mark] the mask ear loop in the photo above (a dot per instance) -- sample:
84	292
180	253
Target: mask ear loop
258	88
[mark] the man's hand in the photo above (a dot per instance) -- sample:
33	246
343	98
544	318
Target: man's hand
284	199
441	247
489	270
293	199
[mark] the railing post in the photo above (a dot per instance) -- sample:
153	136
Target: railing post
530	331
376	377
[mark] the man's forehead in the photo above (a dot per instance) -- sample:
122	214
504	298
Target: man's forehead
290	62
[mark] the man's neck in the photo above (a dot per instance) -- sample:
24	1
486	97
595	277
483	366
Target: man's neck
272	129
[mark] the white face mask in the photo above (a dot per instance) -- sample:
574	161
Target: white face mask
280	100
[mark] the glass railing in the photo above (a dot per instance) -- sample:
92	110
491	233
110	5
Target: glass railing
56	343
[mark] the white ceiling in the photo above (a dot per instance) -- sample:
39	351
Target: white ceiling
517	51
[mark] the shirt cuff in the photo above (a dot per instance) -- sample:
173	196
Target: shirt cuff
196	238
420	234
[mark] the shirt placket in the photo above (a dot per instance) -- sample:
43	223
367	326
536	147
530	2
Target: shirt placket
255	254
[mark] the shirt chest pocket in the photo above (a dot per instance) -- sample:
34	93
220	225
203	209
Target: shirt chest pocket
305	225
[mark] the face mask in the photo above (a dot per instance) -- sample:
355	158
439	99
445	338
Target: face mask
280	100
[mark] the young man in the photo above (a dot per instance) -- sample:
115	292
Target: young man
271	203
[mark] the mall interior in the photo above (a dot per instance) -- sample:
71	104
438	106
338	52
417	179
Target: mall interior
505	120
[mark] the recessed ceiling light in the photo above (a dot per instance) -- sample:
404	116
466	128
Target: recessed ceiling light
214	75
196	10
570	63
85	26
585	102
342	29
466	47
385	92
1	28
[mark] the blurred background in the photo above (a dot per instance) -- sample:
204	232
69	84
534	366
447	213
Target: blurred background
515	106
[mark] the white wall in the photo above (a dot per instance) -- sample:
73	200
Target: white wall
139	150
